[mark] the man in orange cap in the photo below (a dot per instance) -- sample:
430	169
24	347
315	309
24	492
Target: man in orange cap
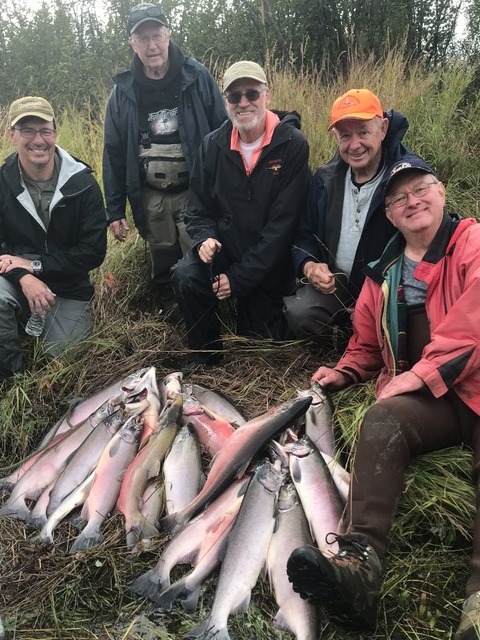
344	226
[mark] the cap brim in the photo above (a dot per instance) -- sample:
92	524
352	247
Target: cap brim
147	20
32	114
244	77
354	116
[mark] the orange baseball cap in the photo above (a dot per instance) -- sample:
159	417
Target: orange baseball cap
356	104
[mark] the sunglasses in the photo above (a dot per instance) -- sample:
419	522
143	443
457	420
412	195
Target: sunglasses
251	95
148	12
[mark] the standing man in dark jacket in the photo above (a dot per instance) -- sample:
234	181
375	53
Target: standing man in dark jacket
53	231
344	226
157	115
247	189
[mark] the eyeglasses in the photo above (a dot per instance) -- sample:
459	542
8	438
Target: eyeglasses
400	200
29	133
251	95
157	38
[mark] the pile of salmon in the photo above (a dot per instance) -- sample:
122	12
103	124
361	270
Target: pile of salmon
137	447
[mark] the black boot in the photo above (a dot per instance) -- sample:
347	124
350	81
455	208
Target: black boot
346	584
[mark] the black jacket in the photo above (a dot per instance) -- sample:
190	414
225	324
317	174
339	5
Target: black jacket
200	110
76	239
255	216
321	222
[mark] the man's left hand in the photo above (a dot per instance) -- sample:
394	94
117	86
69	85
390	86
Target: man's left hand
403	383
221	287
8	262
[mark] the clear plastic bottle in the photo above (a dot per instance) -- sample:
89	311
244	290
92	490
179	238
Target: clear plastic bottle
35	324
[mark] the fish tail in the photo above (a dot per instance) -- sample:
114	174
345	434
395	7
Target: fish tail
169	524
86	541
147	587
38	522
206	631
17	510
181	593
137	533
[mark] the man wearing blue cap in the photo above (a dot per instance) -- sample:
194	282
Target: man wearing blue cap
417	326
157	116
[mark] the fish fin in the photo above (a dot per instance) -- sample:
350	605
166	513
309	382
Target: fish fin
280	622
242	606
295	470
178	592
86	542
17	510
169	524
139	532
38	522
148	586
205	630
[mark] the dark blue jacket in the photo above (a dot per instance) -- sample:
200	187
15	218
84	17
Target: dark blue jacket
321	222
200	110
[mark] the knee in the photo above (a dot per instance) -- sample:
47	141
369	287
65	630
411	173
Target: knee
382	424
189	273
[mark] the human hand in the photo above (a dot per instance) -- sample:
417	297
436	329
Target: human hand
38	295
330	378
319	276
9	262
403	383
119	229
208	249
221	287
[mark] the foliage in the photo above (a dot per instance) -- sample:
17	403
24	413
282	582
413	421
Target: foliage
45	594
67	51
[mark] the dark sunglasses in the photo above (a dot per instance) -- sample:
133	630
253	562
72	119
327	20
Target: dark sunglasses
148	12
251	95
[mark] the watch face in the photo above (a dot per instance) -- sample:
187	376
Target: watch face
37	266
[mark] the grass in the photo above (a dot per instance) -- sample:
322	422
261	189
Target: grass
47	594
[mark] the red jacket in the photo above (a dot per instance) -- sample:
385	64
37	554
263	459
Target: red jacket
451	360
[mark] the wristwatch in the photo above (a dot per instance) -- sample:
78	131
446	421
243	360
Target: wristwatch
37	267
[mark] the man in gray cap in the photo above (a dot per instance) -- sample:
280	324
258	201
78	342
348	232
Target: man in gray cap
157	116
247	189
52	233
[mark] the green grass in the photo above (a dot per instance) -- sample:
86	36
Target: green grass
48	594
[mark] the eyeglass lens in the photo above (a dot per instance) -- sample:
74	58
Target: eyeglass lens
28	133
251	95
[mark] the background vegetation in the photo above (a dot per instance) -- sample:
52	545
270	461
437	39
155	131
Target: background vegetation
47	594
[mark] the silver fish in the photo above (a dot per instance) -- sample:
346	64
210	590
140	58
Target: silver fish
217	403
109	473
182	471
187	590
319	419
295	615
340	476
320	498
245	554
71	502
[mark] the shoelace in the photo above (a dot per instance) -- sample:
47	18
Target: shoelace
349	546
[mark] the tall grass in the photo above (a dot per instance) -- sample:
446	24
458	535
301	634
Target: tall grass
52	595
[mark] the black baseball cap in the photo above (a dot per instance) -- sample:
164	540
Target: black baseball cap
400	167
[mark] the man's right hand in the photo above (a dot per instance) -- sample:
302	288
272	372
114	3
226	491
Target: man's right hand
208	249
38	295
331	378
319	276
119	229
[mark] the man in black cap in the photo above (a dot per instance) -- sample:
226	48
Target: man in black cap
157	116
417	326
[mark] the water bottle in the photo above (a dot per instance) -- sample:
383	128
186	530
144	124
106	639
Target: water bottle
35	324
